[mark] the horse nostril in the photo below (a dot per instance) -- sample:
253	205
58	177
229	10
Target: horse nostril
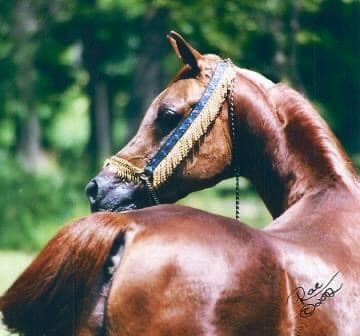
91	191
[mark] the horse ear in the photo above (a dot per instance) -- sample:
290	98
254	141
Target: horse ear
184	50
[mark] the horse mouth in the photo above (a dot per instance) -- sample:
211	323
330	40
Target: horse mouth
119	208
124	208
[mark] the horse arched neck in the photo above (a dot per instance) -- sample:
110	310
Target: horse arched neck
285	148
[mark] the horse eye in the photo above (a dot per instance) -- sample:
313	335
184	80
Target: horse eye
168	118
169	113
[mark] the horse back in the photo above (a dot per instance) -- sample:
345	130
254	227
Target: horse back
190	273
186	272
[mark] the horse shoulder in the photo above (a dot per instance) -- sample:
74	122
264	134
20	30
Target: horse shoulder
254	302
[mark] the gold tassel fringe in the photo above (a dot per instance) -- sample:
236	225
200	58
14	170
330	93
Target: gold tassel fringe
123	169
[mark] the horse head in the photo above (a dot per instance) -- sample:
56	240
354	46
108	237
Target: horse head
213	121
200	159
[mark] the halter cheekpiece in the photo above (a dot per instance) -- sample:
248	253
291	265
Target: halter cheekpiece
183	138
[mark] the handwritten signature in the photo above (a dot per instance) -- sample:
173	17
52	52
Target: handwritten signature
314	297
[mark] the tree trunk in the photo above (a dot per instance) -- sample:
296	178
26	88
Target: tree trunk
29	148
102	119
279	62
100	123
99	144
293	67
149	75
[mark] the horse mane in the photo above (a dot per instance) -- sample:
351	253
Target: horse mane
307	132
49	297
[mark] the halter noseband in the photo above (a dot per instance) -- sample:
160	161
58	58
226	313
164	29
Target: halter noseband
183	138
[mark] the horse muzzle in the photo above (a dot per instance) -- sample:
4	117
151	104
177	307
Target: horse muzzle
108	193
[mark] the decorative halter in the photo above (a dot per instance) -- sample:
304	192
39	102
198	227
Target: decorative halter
183	138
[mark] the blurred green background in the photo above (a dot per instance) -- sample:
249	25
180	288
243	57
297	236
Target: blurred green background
77	76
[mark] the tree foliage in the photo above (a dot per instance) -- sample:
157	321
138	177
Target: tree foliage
76	76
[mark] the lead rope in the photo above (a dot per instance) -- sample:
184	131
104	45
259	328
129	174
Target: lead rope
235	155
150	188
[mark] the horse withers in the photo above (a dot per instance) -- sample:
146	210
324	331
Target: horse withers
178	271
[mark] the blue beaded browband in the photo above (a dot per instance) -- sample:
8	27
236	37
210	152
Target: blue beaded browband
183	138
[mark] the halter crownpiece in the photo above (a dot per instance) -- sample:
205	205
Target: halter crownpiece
184	137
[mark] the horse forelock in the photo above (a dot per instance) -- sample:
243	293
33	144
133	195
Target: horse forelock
308	132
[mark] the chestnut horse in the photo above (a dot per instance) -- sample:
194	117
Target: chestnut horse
171	270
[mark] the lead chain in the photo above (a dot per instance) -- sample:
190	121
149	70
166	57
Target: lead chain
150	189
235	155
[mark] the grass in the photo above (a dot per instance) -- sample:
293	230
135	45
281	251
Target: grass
12	263
4	332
